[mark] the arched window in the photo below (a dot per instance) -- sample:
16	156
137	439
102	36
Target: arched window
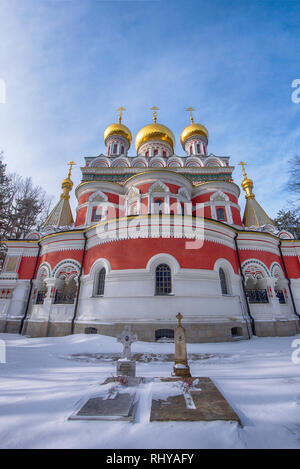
96	214
122	150
198	148
164	153
100	282
163	280
147	153
223	282
159	205
155	153
221	214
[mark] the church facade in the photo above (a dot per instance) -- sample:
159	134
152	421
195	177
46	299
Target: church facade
154	234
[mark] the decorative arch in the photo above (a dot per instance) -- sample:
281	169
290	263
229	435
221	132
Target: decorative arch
98	265
44	271
139	162
34	235
182	192
158	186
219	196
276	271
157	161
192	161
100	162
255	269
175	162
120	162
98	196
213	161
163	258
66	269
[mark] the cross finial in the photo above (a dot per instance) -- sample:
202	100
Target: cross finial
179	317
121	109
190	110
70	169
243	164
154	109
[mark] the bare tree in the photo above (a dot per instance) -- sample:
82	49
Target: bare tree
294	172
29	206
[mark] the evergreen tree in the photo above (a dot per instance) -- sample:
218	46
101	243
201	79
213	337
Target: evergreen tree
288	220
294	180
5	199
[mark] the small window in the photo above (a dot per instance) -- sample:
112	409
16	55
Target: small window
198	149
223	281
122	150
155	153
164	153
101	282
115	149
164	335
191	150
147	153
221	214
90	330
96	214
163	280
236	332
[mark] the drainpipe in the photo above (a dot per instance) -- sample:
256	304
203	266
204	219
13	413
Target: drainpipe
30	290
288	279
79	284
243	285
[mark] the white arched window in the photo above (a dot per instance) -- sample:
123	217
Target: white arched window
223	281
100	282
163	280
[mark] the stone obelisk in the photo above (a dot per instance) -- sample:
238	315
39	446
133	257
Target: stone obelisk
181	367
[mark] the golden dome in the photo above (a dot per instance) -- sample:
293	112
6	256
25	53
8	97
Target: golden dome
192	130
154	132
118	129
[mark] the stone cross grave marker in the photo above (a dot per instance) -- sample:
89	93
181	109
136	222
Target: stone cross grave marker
127	338
181	367
126	366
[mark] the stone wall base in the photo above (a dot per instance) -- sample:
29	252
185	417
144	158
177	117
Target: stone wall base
195	332
11	327
277	329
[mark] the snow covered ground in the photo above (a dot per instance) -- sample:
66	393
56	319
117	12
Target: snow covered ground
42	383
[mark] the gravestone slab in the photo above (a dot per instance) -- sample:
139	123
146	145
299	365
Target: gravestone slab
126	367
120	407
208	404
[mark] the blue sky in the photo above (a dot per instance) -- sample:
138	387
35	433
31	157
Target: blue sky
68	65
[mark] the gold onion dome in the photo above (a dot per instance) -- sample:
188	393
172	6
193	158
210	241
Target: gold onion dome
154	131
118	129
192	129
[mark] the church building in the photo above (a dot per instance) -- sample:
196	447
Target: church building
154	234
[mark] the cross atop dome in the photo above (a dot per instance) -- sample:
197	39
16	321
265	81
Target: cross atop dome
190	110
154	109
121	109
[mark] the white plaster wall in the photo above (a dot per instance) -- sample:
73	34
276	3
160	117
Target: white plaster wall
130	296
19	299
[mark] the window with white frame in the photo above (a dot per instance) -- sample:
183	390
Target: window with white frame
100	282
223	281
163	280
